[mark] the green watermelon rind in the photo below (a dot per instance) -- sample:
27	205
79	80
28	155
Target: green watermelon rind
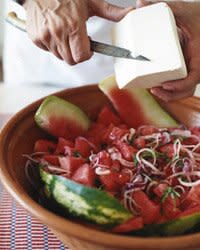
60	108
153	112
171	228
89	203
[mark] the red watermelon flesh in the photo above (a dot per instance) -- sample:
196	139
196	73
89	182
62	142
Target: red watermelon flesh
136	106
61	118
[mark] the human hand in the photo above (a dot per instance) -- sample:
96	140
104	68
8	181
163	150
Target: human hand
187	15
59	26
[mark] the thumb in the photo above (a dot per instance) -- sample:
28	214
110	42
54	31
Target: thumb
110	11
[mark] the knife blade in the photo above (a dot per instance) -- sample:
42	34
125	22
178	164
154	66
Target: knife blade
114	51
98	47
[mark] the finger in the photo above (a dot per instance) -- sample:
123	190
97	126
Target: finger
180	85
60	38
55	51
49	43
80	44
142	3
65	51
171	96
39	44
37	40
110	11
176	6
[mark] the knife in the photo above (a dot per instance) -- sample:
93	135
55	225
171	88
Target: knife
98	47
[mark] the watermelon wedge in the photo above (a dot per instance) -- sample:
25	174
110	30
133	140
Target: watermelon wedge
136	106
61	118
90	203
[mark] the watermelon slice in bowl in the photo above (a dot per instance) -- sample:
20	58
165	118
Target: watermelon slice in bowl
19	136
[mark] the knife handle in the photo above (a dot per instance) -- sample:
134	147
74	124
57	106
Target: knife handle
15	21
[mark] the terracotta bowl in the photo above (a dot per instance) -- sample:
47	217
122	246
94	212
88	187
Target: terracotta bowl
18	137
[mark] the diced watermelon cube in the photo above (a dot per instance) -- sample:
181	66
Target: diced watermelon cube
43	145
110	182
62	143
84	146
160	189
84	175
106	117
150	211
71	163
170	207
52	159
126	150
192	199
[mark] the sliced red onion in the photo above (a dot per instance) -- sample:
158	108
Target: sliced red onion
177	148
179	187
92	157
131	134
31	158
187	165
151	184
183	133
176	175
89	142
189	184
56	169
138	178
116	155
166	137
144	126
189	153
102	171
149	164
152	136
196	147
128	171
126	163
146	150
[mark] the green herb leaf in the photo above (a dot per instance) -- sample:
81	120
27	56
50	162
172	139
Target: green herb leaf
135	161
77	154
170	192
131	140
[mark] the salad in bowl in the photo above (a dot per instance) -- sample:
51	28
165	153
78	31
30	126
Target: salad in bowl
133	170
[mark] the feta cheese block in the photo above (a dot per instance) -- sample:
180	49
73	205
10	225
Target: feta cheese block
150	31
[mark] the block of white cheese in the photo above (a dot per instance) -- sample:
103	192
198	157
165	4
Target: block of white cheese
150	31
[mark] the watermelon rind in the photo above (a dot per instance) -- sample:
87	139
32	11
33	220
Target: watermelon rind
89	203
56	112
151	113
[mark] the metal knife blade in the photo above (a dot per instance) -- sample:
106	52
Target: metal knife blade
114	51
98	47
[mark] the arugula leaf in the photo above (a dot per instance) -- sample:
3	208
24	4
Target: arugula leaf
76	154
131	140
170	192
135	161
